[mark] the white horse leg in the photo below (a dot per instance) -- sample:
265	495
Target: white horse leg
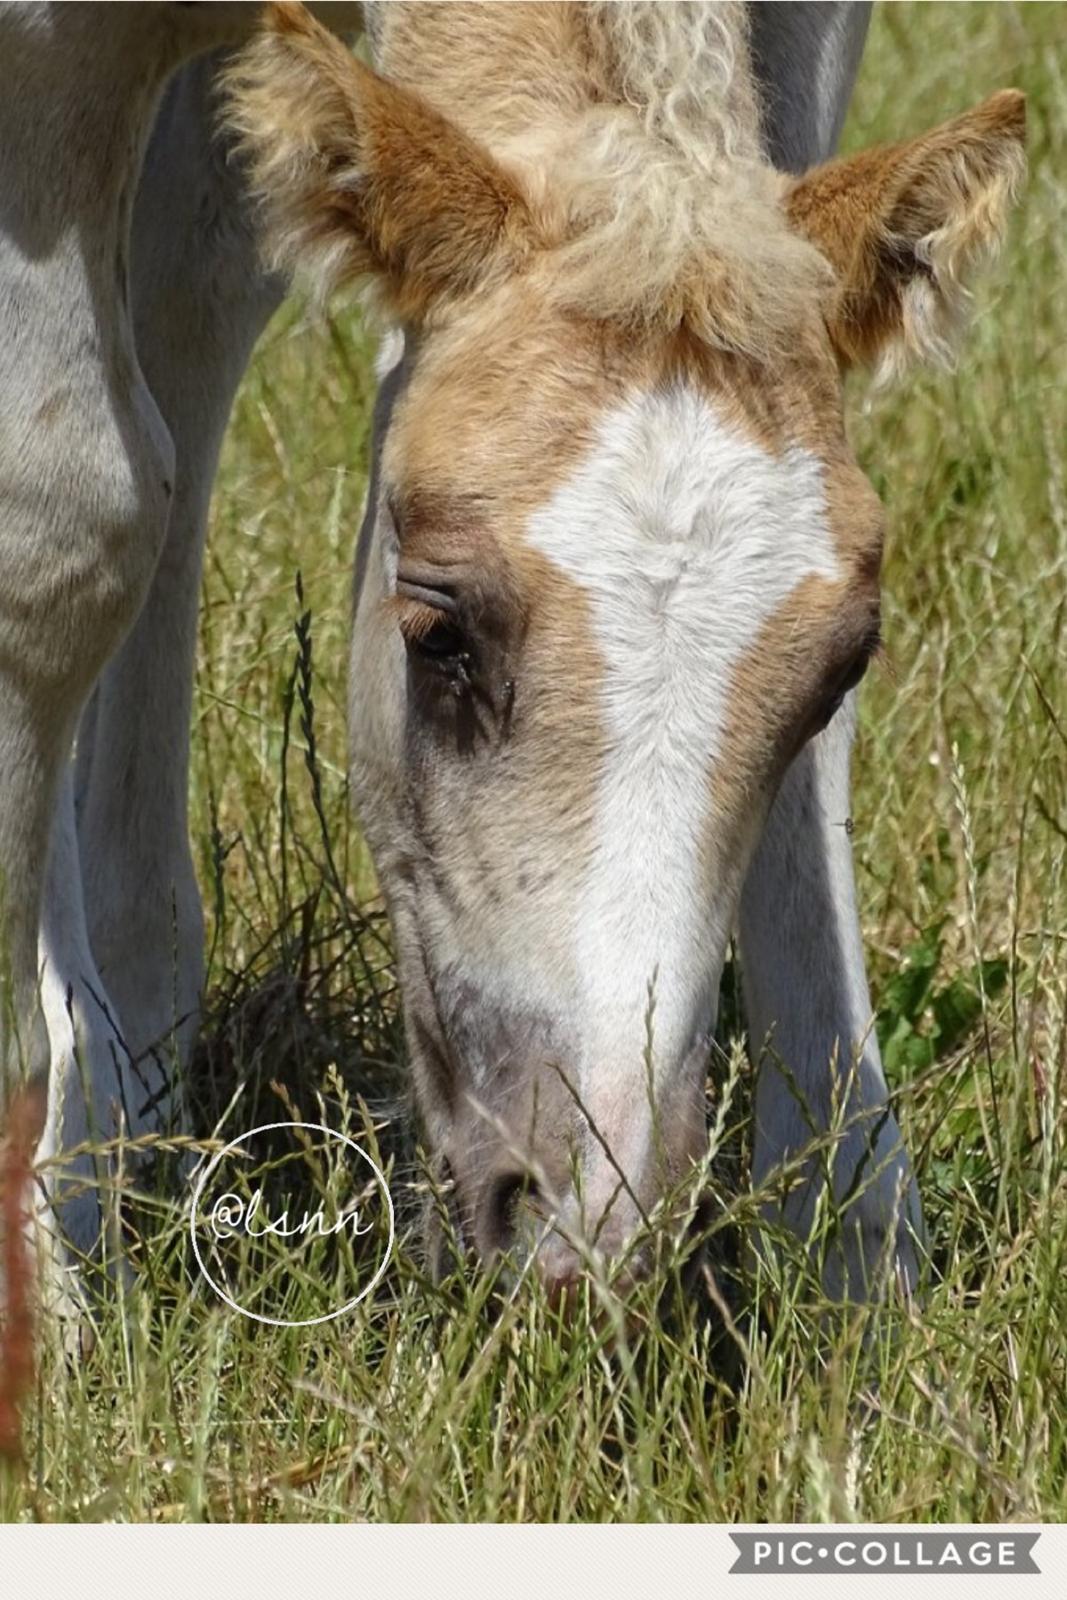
86	462
93	1088
200	301
86	480
811	1030
802	950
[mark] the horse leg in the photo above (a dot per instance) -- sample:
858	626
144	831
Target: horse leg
200	301
802	950
810	1024
806	57
86	474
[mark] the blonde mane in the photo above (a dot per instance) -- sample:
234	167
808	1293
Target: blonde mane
685	68
635	130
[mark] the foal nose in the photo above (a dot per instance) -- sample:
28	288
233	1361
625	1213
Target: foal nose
563	1269
565	1243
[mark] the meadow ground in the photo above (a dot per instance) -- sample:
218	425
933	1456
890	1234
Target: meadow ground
423	1404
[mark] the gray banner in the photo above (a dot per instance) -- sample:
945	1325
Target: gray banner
976	1550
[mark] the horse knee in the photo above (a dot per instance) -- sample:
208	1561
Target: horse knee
85	522
123	532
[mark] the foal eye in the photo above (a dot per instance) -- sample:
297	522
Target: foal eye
431	630
440	643
855	674
850	680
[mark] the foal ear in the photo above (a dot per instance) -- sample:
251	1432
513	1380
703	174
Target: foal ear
904	224
358	175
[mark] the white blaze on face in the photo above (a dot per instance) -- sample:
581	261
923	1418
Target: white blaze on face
686	537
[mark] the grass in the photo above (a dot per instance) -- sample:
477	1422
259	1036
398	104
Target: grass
430	1402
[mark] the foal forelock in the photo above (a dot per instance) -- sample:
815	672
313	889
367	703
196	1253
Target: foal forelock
634	129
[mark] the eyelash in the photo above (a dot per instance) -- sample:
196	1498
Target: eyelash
417	619
433	637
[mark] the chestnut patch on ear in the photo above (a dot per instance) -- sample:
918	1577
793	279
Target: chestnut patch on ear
904	225
360	176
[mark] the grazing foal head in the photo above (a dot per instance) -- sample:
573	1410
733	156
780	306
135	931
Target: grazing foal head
619	562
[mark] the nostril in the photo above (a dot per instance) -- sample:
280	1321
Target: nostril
564	1270
560	1270
561	1290
506	1193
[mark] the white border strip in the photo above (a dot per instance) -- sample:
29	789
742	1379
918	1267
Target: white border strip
309	1562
